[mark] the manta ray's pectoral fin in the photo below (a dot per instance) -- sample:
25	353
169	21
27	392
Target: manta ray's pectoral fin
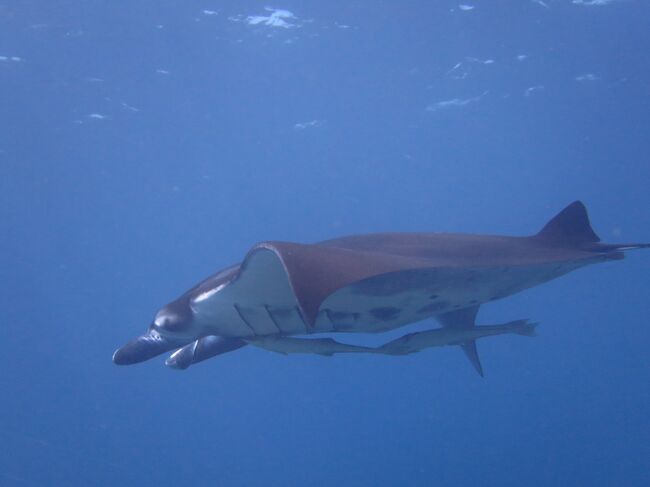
202	349
472	354
463	319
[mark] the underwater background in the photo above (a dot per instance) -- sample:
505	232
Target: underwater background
146	144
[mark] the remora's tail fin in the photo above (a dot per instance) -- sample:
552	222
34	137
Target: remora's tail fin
571	226
472	354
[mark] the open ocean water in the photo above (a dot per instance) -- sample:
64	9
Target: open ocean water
146	144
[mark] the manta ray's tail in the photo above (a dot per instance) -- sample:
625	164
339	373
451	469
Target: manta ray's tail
620	247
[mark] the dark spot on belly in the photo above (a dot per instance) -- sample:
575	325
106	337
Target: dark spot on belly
399	282
432	308
473	301
385	313
433	296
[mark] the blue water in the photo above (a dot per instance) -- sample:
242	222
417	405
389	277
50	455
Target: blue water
145	145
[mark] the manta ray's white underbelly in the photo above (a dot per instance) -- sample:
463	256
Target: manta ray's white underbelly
377	304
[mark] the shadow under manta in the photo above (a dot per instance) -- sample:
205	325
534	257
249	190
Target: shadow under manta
365	284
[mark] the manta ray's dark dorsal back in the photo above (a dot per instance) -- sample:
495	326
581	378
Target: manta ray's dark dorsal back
570	226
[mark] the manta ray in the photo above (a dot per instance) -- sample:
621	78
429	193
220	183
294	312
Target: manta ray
283	292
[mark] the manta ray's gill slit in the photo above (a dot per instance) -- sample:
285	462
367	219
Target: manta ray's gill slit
241	316
304	321
342	320
328	313
272	318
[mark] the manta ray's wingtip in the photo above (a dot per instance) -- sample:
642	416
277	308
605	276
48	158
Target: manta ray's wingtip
471	352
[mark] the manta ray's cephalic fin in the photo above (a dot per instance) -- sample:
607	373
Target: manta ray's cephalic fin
202	349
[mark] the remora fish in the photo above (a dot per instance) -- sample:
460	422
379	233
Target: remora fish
416	342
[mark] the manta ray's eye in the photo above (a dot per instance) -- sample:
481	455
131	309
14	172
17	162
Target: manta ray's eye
163	322
170	321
